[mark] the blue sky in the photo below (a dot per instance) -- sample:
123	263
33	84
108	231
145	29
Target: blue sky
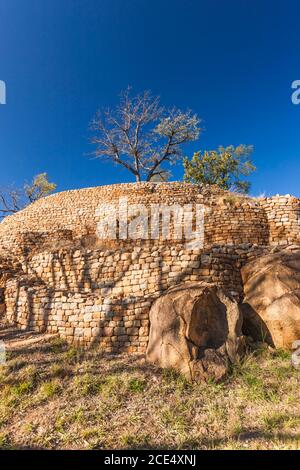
231	61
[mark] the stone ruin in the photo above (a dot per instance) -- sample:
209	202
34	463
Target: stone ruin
58	276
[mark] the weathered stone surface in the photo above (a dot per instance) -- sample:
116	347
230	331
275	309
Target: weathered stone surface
272	298
2	310
57	275
195	329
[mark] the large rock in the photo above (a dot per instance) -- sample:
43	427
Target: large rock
272	298
195	329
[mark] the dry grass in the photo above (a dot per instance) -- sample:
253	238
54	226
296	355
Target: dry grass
55	397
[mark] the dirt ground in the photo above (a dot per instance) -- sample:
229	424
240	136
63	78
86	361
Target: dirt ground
53	396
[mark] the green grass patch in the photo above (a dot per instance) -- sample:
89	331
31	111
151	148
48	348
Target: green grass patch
50	389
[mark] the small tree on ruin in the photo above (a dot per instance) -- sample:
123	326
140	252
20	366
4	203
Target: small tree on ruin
224	167
12	200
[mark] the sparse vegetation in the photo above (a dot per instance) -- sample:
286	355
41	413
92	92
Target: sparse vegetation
49	389
13	200
225	167
102	402
233	199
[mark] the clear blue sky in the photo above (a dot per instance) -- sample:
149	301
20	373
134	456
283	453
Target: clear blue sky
231	61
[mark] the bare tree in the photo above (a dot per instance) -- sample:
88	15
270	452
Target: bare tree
12	200
143	136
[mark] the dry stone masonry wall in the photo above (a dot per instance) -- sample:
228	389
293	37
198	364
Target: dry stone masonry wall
57	275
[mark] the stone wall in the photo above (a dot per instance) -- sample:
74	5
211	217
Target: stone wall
104	296
283	218
2	303
60	277
71	215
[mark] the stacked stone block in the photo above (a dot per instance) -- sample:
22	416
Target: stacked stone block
64	279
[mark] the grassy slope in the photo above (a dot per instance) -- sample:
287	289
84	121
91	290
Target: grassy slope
52	396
